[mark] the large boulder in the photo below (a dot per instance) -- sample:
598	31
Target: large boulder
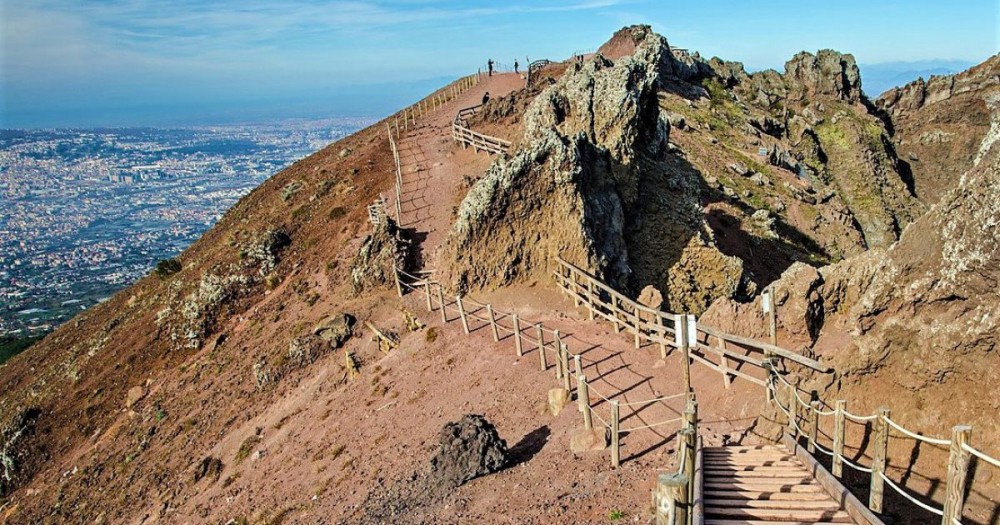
467	449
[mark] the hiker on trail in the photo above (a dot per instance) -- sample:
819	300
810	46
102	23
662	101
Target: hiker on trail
515	66
486	98
489	65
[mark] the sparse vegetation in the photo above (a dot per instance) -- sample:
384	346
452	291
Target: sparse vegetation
337	212
290	190
246	448
432	334
616	515
167	267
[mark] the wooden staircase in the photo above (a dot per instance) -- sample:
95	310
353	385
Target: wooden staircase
764	484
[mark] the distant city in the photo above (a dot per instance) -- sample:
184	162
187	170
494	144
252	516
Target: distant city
86	212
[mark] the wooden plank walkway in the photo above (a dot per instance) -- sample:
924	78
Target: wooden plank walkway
764	484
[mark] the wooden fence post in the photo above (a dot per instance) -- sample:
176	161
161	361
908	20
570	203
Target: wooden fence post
637	319
615	311
590	298
399	282
773	318
672	490
663	335
793	411
682	320
444	313
878	460
813	426
541	346
583	398
493	323
838	437
564	355
517	334
578	364
558	347
461	313
427	295
958	472
724	363
615	451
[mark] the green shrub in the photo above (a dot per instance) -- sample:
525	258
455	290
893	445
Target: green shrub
167	267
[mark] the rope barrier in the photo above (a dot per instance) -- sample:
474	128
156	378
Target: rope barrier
981	455
859	468
860	419
897	488
654	400
918	437
651	425
821	448
601	419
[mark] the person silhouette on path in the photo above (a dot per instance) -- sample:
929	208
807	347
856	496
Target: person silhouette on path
489	64
515	66
486	98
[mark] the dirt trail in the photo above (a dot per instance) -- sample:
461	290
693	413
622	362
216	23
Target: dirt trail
434	167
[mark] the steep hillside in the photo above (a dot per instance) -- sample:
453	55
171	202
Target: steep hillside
940	123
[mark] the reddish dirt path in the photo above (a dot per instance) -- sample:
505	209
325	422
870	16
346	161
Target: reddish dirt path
434	167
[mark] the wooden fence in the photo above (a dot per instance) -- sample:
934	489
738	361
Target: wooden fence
661	328
699	343
533	68
553	351
799	412
463	134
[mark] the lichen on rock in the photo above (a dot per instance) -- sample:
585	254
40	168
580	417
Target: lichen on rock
381	252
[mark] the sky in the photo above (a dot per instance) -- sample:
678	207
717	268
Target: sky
153	62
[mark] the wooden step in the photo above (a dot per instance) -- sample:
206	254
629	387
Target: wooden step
796	486
828	504
776	475
804	515
750	461
724	469
765	495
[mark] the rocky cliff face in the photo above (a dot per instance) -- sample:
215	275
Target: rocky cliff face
595	182
940	123
660	168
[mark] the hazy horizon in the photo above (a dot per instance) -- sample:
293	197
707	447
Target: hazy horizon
69	63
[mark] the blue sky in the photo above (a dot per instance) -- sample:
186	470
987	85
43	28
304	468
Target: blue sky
124	62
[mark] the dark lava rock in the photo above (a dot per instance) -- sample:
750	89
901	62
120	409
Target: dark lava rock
468	449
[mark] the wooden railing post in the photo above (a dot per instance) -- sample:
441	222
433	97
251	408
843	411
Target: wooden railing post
427	295
637	321
724	363
444	313
493	323
614	311
399	282
564	355
615	450
673	499
578	364
558	347
461	313
773	317
838	437
813	426
793	411
590	297
541	346
878	460
517	334
958	472
663	335
583	398
681	325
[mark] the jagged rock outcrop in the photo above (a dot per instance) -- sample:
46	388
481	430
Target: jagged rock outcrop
380	254
593	182
939	124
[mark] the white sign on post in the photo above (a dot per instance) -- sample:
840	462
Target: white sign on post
765	301
678	320
692	331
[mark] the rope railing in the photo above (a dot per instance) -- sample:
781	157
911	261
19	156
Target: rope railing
960	454
554	347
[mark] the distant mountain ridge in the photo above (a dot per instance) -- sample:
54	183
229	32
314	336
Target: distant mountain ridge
881	77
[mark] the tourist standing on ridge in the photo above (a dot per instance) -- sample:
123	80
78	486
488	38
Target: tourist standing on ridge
489	65
515	66
486	98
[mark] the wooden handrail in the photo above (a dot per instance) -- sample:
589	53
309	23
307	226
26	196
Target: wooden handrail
462	133
634	309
